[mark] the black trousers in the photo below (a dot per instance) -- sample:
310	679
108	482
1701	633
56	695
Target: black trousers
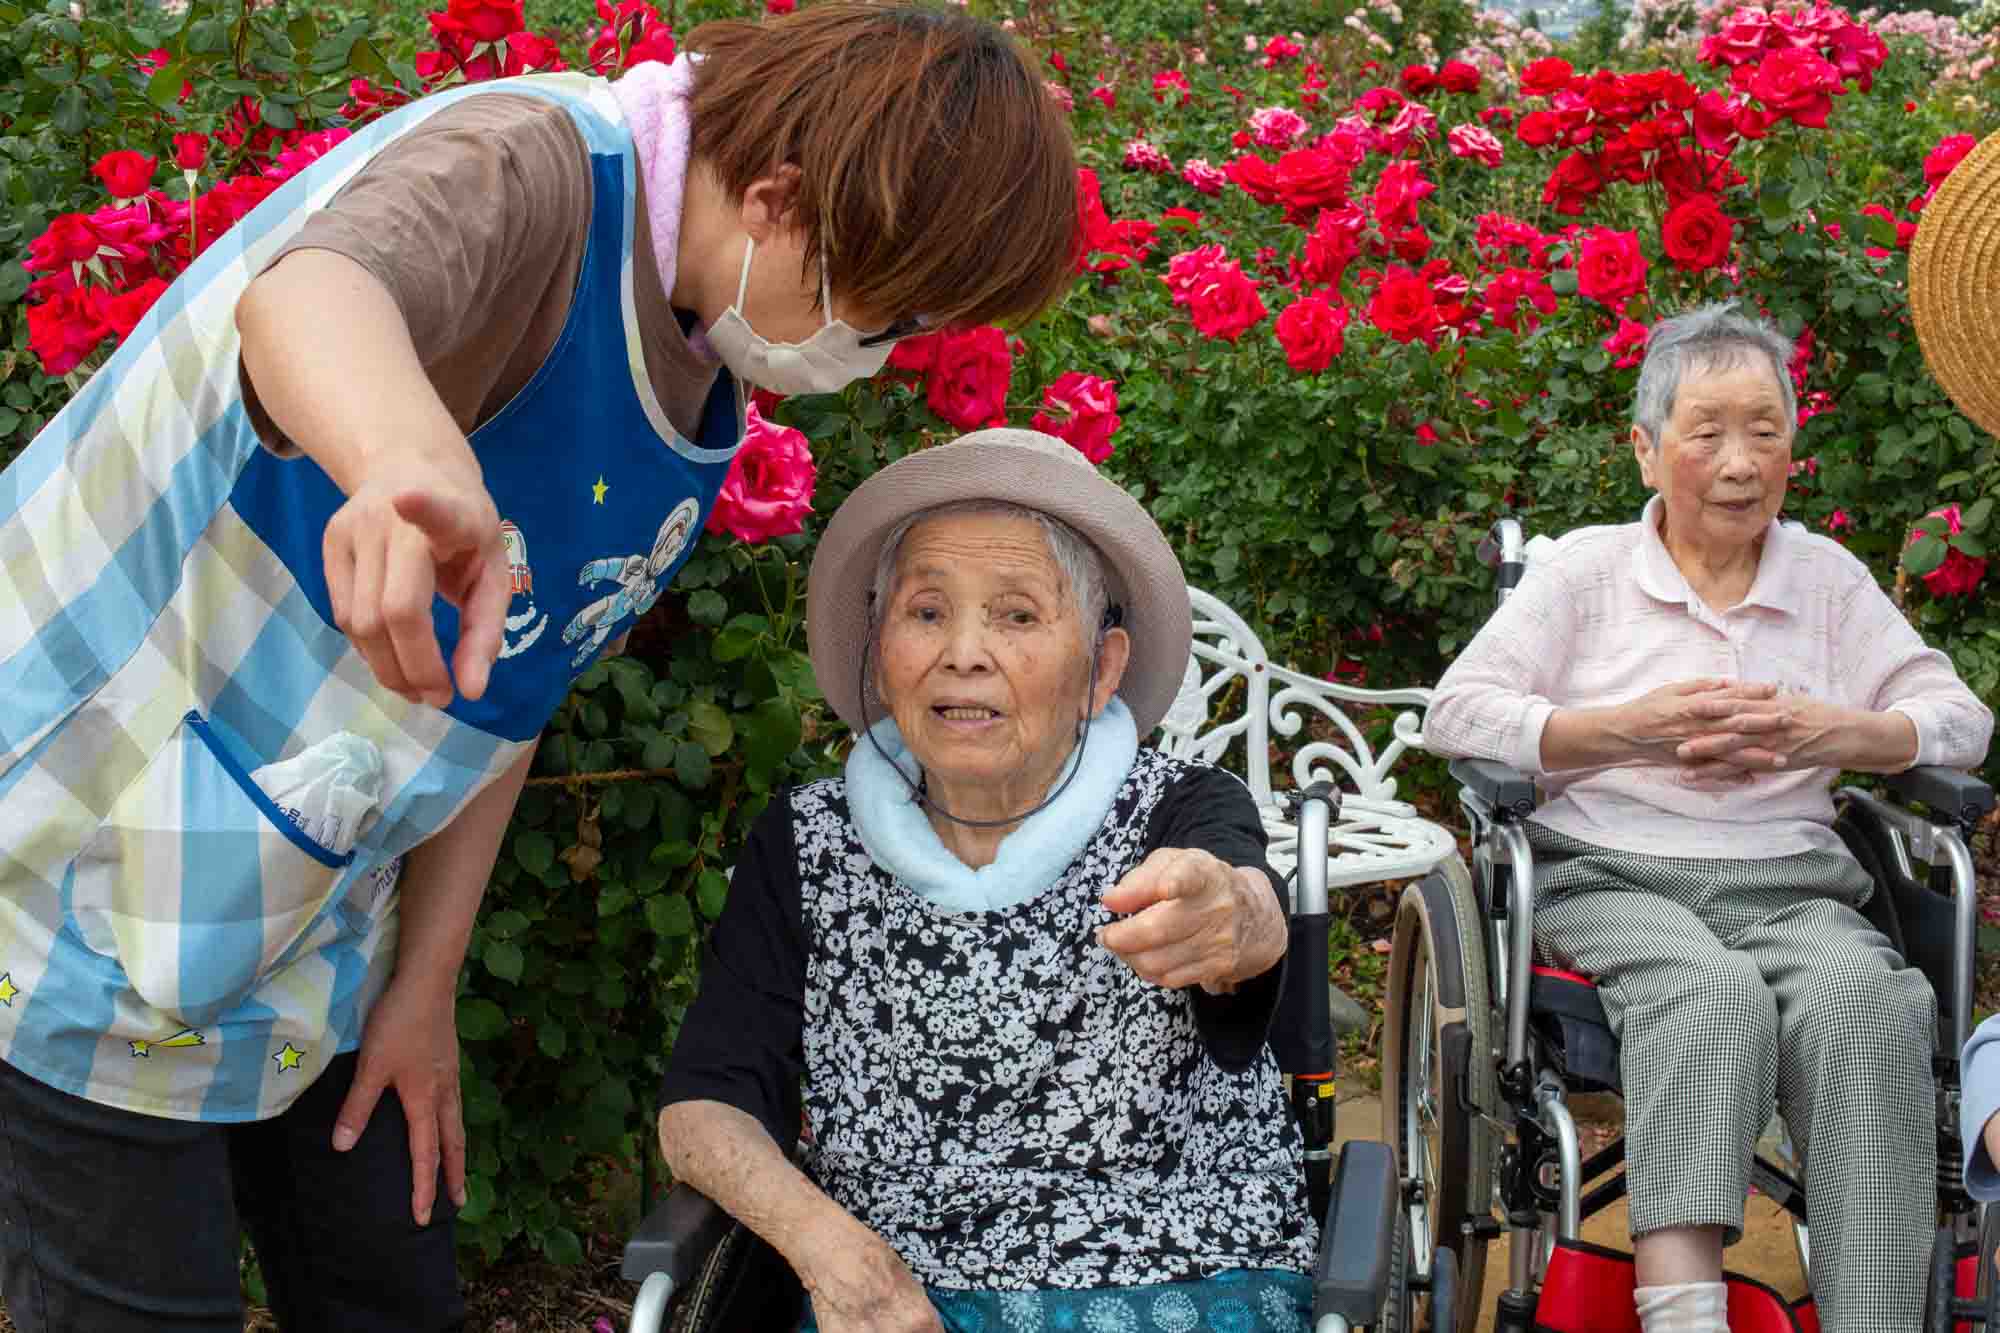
112	1222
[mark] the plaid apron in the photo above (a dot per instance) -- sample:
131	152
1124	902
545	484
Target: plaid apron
169	942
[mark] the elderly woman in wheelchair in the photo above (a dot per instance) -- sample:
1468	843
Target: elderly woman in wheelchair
1684	690
1022	967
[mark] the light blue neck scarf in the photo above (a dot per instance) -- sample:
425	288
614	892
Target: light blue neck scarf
898	836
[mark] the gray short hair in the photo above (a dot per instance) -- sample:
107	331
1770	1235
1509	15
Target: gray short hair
1715	337
1082	567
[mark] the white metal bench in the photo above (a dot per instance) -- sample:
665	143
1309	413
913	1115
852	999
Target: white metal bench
1377	837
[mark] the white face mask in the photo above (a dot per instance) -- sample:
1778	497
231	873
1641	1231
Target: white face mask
825	363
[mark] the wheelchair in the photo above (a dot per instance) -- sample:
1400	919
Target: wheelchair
1482	1048
700	1270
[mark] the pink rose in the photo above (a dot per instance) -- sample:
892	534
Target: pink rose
1083	410
1951	151
1224	303
1475	144
769	490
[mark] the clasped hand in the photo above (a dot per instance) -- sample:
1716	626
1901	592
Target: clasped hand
1717	730
1194	920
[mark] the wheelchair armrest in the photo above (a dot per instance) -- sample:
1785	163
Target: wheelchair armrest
1501	786
1352	1276
675	1237
1949	793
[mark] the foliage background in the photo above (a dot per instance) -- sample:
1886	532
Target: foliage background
1336	510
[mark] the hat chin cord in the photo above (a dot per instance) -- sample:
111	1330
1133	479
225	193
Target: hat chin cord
920	786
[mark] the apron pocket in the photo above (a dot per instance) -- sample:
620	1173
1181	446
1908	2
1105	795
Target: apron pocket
196	881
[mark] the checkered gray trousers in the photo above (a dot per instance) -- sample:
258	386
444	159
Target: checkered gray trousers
1729	984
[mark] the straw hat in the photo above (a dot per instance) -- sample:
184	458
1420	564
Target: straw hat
1035	471
1955	284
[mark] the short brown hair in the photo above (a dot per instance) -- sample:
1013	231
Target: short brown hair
934	165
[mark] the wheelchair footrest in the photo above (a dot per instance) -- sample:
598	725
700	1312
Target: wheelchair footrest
1588	1289
1352	1277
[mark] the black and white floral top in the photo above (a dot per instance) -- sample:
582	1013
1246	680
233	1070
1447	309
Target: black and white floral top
996	1094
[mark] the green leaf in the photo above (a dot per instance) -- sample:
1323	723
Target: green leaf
706	606
71	112
733	643
1951	479
164	88
505	960
1978	514
535	851
480	1019
562	1247
709	725
773	730
1924	554
712	891
668	915
277	116
303	32
1969	543
1563	282
551	1040
691	765
635	688
506	923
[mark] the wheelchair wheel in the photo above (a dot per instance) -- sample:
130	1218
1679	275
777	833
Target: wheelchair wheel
1437	1078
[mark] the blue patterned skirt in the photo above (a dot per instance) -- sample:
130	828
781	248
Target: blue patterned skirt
1241	1301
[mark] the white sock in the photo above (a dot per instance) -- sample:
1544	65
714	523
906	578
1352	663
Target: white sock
1690	1307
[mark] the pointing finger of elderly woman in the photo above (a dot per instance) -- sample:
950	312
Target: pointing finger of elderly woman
1195	920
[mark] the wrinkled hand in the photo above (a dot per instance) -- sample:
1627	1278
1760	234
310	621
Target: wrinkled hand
1785	731
860	1285
411	1045
1656	725
412	530
1194	920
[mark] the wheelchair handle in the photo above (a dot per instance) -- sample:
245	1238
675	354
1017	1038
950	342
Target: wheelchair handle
1316	806
1504	550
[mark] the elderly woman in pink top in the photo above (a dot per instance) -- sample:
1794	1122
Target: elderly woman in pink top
1686	688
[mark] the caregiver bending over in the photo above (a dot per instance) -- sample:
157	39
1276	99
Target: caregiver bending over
1024	967
1686	689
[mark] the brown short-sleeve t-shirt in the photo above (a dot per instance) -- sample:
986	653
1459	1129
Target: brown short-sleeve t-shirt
476	223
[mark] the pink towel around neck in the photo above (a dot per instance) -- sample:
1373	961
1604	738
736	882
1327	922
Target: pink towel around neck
654	100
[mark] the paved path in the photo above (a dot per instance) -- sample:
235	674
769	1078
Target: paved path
1766	1251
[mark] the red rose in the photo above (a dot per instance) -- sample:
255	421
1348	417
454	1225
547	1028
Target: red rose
769	489
1609	266
64	330
1574	183
1398	190
69	239
780	6
1715	121
1796	84
486	20
1455	76
1418	79
1224	303
1083	411
123	312
1333	245
1951	151
125	173
1312	332
1403	307
531	52
1960	573
1696	233
190	151
1543	77
1255	177
1311	178
1539	129
917	353
969	380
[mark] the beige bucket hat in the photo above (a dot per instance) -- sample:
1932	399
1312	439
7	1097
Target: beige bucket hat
1955	284
1035	471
